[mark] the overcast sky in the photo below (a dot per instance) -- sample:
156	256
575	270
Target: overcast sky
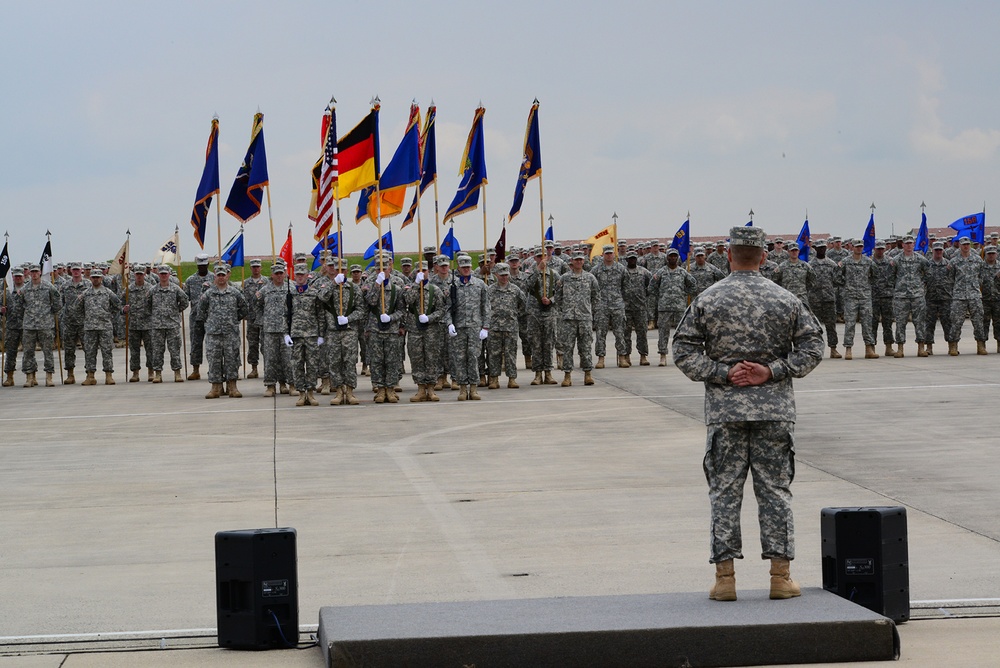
648	109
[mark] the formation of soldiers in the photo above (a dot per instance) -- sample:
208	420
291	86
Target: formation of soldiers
461	327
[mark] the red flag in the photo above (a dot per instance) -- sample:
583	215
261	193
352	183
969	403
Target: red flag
501	247
286	255
327	176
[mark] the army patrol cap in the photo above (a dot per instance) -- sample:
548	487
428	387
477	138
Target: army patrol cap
220	270
721	242
337	262
747	236
34	267
464	261
139	269
699	251
820	243
406	262
163	269
793	248
201	258
492	252
503	269
441	259
937	245
430	249
538	251
965	240
17	272
880	243
75	265
355	267
255	263
608	248
631	254
991	249
301	269
908	239
512	259
779	240
550	244
578	255
673	251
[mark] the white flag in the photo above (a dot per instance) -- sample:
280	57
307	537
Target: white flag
120	262
169	252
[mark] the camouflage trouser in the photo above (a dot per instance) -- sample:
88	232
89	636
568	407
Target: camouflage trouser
826	313
581	334
904	308
991	314
362	345
858	309
11	342
138	338
609	318
197	339
465	349
522	333
666	322
542	337
938	309
502	350
882	314
424	346
222	353
445	366
277	358
974	308
72	333
103	339
305	362
385	351
482	359
169	339
766	449
342	356
42	337
636	322
253	344
841	301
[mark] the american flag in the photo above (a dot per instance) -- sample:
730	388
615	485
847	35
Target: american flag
327	175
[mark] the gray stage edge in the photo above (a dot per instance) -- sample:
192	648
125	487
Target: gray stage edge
685	629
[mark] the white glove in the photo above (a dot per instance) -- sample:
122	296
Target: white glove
385	316
380	278
338	279
483	334
288	340
341	320
423	318
420	277
319	341
451	330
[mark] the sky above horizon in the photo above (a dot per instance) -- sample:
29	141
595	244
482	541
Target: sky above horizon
650	110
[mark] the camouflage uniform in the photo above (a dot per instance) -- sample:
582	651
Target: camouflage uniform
749	427
507	305
385	339
653	261
424	340
13	323
272	307
440	331
610	308
967	296
521	281
991	296
578	296
470	313
307	324
342	340
139	333
98	306
777	256
72	326
166	308
325	283
838	256
194	287
668	292
768	269
822	281
704	275
220	312
719	261
541	318
907	275
636	309
794	277
939	281
882	290
38	305
857	277
250	287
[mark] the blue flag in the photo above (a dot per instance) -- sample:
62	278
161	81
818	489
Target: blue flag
801	241
473	170
364	200
332	244
232	254
428	162
921	242
869	247
386	245
531	162
404	168
208	186
750	224
682	240
972	226
549	234
248	188
449	245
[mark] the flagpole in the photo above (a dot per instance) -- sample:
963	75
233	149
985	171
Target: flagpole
437	217
128	237
340	246
420	245
614	217
180	279
3	322
270	220
243	279
541	222
48	243
486	242
218	221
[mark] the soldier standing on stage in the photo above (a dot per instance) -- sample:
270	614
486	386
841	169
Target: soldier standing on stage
822	282
507	304
578	296
908	273
668	292
251	286
194	287
426	314
72	326
967	296
220	309
747	361
610	311
858	276
542	318
139	333
636	309
167	302
39	302
97	307
272	307
940	282
387	309
13	315
307	328
469	328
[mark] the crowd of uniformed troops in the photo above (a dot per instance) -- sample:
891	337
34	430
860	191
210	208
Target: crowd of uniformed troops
461	327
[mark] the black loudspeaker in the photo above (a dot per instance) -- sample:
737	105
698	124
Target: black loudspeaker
865	558
257	588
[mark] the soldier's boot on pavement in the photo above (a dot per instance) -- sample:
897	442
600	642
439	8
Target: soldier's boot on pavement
651	325
834	355
215	392
269	391
512	384
430	393
980	347
390	396
310	399
365	371
848	354
643	360
558	359
178	378
89	380
349	397
899	352
724	588
663	360
600	362
463	392
482	381
494	383
194	375
538	378
549	380
283	388
870	353
70	378
150	375
48	379
454	384
623	362
922	350
234	392
421	394
134	378
324	388
929	347
474	393
527	361
439	384
380	395
587	378
302	399
567	379
157	377
109	378
998	345
8	380
782	584
28	377
338	397
253	372
889	352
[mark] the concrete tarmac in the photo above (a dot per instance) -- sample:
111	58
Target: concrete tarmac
111	496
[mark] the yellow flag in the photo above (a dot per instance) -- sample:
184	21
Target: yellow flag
120	262
609	235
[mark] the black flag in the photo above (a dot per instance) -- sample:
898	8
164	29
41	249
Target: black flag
46	262
4	263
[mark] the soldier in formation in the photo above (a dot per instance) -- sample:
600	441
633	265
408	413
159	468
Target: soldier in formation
221	308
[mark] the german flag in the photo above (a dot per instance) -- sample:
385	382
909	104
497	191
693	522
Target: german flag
357	156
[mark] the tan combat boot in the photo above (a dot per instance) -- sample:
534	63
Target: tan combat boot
482	382
549	380
870	353
474	393
349	397
724	588
899	352
527	361
463	392
559	360
922	350
980	347
538	378
430	393
380	395
194	375
310	399
178	378
953	348
421	394
600	362
338	397
157	377
302	399
8	380
325	387
848	353
454	383
215	392
70	378
134	378
622	364
234	392
643	360
782	584
512	384
253	372
48	379
365	371
109	378
568	379
269	391
89	380
150	376
929	347
29	380
889	352
663	360
587	378
390	395
283	388
439	385
494	383
834	355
